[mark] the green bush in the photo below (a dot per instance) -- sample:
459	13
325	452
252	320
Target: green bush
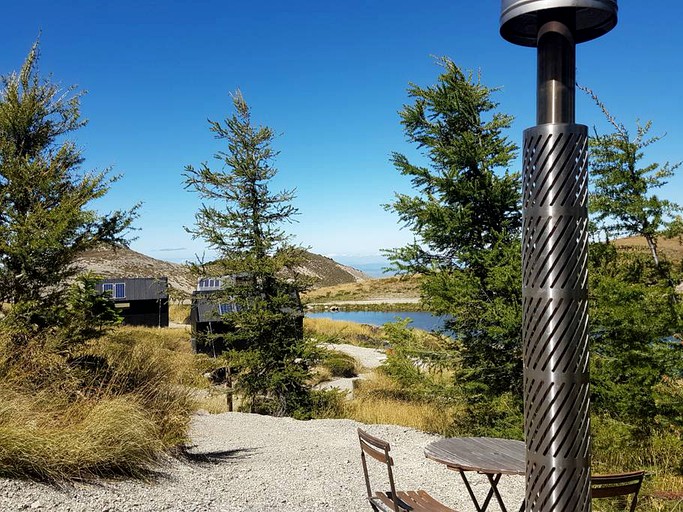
327	403
499	416
340	365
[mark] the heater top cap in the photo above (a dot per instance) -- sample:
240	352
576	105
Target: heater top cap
519	19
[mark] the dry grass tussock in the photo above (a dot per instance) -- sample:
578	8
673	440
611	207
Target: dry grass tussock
110	408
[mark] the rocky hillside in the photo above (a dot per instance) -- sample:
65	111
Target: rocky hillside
121	262
327	272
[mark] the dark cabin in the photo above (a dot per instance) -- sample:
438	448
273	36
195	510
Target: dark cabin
207	310
140	300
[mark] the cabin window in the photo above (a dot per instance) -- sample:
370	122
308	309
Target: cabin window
115	290
225	308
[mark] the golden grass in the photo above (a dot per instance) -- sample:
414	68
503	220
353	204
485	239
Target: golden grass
376	400
111	407
427	417
179	313
388	287
215	401
326	330
88	438
339	331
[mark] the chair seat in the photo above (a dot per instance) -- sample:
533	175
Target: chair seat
419	501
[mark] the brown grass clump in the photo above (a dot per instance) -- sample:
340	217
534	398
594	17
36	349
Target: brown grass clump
88	438
111	407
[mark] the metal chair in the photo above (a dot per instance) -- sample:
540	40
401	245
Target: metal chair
393	500
622	484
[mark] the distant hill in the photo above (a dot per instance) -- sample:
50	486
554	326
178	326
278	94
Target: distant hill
122	262
671	248
327	272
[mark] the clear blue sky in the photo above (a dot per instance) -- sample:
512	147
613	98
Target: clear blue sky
329	77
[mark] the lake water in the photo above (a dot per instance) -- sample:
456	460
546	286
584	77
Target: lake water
420	319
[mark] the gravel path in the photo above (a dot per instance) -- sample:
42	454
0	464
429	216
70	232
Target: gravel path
261	463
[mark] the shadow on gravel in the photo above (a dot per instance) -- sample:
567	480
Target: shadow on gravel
213	457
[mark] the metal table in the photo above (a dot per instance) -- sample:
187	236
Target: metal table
490	456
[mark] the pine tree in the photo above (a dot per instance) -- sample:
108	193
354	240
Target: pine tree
466	219
622	202
44	217
241	219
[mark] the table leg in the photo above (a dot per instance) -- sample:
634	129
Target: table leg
493	480
493	491
485	505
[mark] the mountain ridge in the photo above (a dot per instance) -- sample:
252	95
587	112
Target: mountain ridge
111	262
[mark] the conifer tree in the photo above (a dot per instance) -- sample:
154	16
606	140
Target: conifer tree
45	221
622	201
241	219
466	219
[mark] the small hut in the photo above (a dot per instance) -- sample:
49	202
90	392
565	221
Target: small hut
209	307
140	300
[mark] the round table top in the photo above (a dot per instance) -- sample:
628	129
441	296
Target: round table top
483	454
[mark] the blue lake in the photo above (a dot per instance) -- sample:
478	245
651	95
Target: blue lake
420	319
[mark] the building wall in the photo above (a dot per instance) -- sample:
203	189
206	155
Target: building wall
149	313
142	288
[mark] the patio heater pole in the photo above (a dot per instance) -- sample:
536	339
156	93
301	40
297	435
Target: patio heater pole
554	253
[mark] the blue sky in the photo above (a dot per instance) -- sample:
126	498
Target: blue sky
329	77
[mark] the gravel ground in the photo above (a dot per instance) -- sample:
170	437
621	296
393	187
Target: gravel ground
261	463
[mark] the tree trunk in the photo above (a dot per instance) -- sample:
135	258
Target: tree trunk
652	244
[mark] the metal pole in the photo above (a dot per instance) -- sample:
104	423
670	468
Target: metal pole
555	254
556	62
555	318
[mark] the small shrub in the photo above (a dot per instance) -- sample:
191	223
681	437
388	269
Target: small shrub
328	403
498	416
340	365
